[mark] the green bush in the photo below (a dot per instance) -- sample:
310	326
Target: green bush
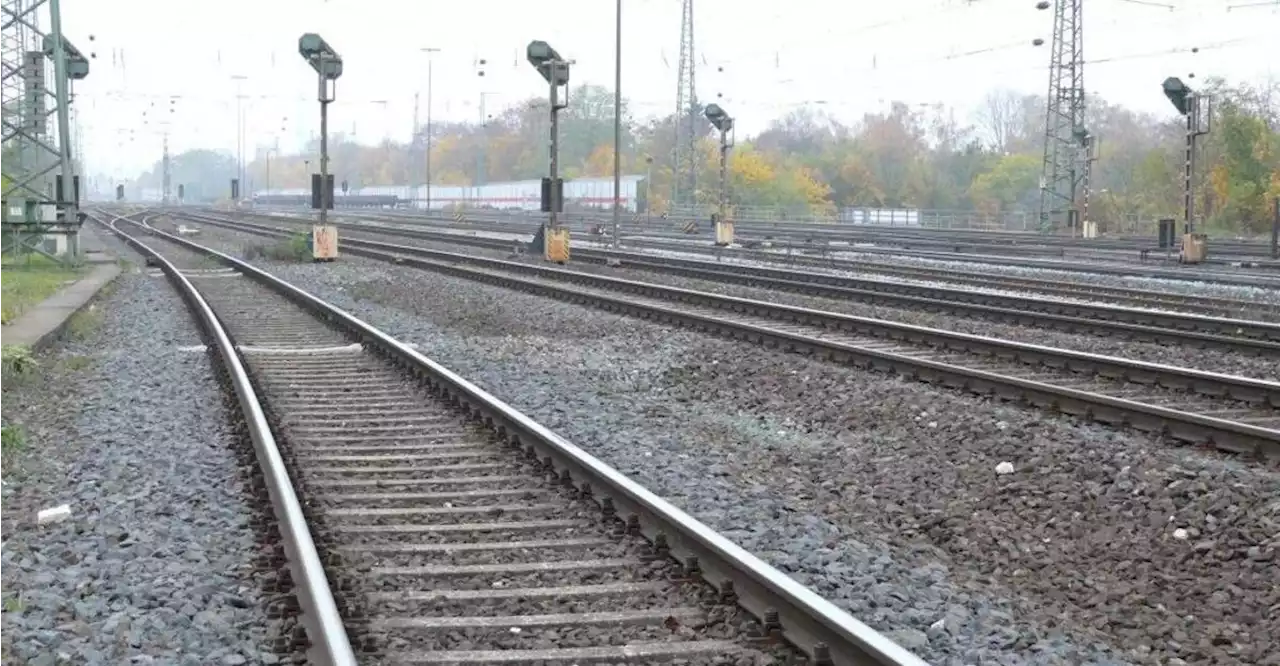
16	361
12	439
294	248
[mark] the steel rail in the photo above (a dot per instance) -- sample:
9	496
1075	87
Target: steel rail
856	287
1188	426
1255	337
326	633
1259	248
1119	270
810	623
639	234
1143	298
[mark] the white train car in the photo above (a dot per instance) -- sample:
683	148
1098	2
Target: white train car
887	217
517	195
401	191
527	194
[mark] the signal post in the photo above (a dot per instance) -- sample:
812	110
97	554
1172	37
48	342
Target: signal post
328	67
555	71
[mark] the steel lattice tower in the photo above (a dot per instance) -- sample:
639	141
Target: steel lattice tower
15	41
39	67
684	175
1064	132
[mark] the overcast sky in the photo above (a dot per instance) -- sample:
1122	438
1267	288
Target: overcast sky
758	59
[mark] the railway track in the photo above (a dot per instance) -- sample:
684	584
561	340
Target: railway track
428	522
848	232
1051	289
1127	268
1236	335
1232	413
1079	259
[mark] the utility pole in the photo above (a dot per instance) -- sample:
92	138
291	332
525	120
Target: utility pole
165	177
239	79
484	133
685	164
429	51
1064	133
415	145
482	158
617	126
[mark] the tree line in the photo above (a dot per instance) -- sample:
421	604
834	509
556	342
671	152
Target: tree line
905	157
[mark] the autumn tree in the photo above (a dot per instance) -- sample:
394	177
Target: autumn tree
808	163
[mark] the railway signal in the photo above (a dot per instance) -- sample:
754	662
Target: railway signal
77	64
1179	94
723	122
555	71
1198	114
328	67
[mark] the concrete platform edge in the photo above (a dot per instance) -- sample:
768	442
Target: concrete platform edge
43	324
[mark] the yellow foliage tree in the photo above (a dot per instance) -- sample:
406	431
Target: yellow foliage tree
599	162
750	170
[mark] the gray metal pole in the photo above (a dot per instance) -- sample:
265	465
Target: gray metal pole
648	191
429	63
239	79
555	151
617	127
484	144
324	151
64	118
724	172
1188	167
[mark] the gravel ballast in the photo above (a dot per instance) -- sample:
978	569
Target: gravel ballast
1213	360
882	494
153	563
702	249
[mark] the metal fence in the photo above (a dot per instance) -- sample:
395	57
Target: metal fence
921	218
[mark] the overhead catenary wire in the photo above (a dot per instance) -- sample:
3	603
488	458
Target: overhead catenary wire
769	80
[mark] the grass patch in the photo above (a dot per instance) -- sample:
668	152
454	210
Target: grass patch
82	323
13	438
13	605
294	248
30	261
29	279
210	263
17	363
